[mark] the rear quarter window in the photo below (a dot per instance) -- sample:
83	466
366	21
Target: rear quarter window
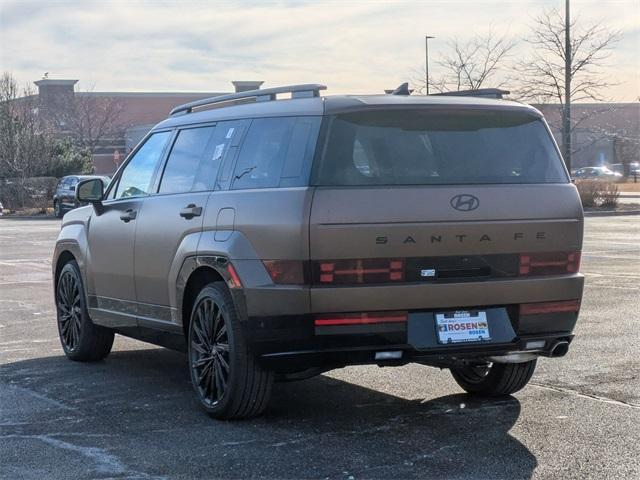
436	147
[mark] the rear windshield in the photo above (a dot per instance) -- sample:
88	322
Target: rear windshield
418	147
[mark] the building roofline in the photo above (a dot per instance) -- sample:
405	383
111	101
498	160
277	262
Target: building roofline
590	104
50	81
150	94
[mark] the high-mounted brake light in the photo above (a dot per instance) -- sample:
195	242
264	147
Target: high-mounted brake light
549	307
366	318
364	270
549	263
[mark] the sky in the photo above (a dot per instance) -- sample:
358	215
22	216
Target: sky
350	46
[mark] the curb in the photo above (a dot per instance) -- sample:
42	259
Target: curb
611	213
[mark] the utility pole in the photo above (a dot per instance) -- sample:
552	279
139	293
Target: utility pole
426	51
566	111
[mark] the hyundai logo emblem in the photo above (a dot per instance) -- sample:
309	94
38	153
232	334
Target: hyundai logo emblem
465	202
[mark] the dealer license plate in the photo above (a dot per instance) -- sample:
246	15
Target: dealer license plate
462	326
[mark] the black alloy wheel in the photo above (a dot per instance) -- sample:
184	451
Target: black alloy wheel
226	376
81	339
69	310
210	360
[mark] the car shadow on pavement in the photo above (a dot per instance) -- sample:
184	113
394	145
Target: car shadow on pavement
321	427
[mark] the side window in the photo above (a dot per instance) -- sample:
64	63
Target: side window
186	168
136	177
227	140
263	153
297	164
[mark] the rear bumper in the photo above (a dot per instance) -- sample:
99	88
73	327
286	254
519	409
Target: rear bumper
281	331
330	358
294	343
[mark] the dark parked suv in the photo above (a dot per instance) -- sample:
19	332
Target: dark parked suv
283	238
64	197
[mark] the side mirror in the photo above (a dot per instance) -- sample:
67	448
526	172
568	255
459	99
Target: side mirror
91	191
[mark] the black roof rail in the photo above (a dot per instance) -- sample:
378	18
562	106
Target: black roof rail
479	92
307	90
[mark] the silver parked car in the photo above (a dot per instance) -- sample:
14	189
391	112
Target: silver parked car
284	238
597	173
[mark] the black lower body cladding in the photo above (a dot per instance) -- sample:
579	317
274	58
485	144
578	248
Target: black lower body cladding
293	343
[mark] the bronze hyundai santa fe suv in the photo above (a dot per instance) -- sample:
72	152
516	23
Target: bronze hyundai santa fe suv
280	238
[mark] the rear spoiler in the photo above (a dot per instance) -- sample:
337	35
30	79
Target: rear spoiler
479	92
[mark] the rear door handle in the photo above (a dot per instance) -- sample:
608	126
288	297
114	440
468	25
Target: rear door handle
128	215
191	211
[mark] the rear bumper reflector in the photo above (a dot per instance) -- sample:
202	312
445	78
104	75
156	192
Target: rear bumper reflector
234	279
549	307
360	318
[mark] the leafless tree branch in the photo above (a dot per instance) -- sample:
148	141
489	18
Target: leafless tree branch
469	65
542	75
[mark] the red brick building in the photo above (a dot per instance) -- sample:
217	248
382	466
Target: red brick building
135	113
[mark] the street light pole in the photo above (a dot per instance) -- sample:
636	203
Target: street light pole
426	51
566	117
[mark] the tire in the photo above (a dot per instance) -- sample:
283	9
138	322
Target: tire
81	339
57	210
225	375
494	379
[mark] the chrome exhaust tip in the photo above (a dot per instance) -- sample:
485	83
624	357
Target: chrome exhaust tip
559	349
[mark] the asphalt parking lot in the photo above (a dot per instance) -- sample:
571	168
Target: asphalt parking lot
134	415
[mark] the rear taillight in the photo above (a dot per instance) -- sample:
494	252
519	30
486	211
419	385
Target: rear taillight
549	307
366	270
366	318
549	263
286	272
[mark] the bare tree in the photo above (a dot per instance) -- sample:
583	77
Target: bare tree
26	145
25	142
565	65
89	119
30	149
470	65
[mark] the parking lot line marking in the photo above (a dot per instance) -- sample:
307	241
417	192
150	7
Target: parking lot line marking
585	395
